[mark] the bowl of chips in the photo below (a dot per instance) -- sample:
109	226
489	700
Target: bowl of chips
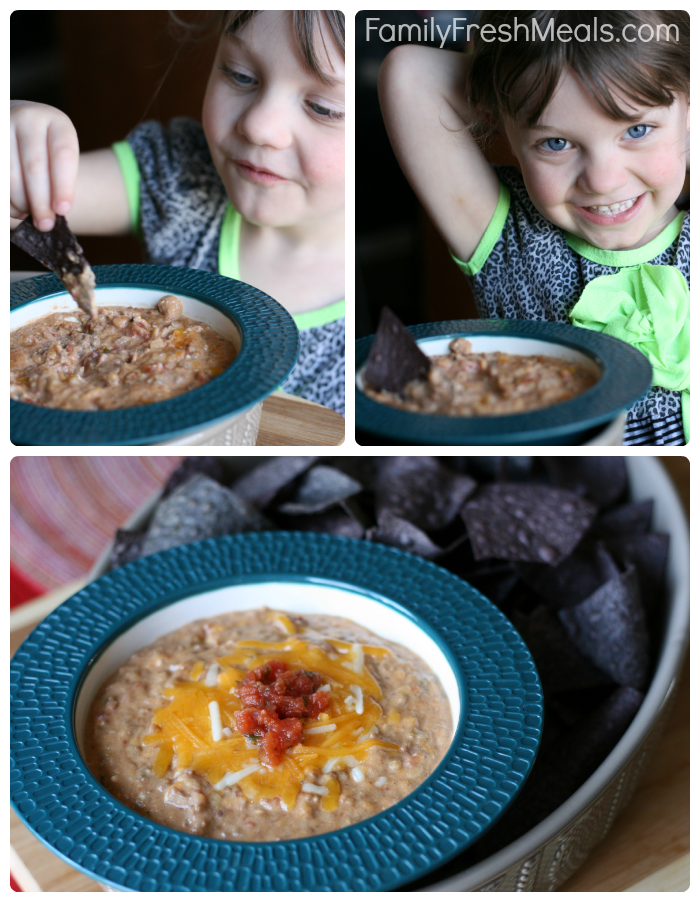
580	383
224	411
587	556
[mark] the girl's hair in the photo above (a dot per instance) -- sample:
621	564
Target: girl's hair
519	76
305	23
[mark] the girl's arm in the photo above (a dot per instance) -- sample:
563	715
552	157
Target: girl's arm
421	90
49	175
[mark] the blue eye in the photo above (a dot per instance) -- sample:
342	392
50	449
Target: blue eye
324	112
556	144
238	78
638	131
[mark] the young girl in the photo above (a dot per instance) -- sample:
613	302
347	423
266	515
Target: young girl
256	192
587	230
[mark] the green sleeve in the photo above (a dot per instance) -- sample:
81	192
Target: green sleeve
491	235
132	180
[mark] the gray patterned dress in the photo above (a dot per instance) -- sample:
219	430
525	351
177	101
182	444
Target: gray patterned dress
525	268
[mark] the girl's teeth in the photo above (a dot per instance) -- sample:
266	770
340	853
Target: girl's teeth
614	209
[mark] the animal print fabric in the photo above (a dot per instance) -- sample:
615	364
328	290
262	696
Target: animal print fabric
182	207
532	273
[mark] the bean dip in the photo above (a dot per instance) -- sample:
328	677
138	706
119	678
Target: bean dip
162	732
464	383
124	357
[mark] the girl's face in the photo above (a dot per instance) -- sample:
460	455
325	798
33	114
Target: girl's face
612	183
276	132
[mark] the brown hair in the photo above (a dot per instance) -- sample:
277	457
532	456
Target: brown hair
644	72
306	24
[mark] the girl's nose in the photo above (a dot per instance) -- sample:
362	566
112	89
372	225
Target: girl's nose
267	121
602	175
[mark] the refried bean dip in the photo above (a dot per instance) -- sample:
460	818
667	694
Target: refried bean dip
201	730
464	384
124	357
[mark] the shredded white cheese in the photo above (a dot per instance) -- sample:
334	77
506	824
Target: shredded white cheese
227	732
330	765
215	715
359	699
212	675
233	777
315	790
326	688
357	774
327	728
359	659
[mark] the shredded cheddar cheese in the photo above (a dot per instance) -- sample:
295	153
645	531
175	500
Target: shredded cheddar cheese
197	728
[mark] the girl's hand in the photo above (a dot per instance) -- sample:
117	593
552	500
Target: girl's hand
44	157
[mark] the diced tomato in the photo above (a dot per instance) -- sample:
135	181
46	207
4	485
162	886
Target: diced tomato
276	699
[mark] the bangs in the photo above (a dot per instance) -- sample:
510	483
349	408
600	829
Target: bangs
623	81
309	26
517	79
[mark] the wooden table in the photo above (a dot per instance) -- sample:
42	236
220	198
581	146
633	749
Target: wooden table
286	420
647	849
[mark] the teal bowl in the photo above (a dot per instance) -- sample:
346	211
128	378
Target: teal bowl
263	332
487	672
624	376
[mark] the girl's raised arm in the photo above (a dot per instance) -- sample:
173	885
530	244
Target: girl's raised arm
421	90
48	175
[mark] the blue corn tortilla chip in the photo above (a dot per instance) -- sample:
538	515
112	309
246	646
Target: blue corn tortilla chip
208	466
610	629
494	579
127	547
335	521
321	488
626	519
394	359
574	578
400	533
261	485
647	554
560	664
499	469
421	490
580	751
603	480
200	509
523	522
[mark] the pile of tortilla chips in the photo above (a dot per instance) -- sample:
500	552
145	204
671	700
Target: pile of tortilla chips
555	543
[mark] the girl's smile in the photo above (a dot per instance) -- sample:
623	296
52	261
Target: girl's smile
612	183
257	174
614	213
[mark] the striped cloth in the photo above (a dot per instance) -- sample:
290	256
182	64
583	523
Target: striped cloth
65	510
